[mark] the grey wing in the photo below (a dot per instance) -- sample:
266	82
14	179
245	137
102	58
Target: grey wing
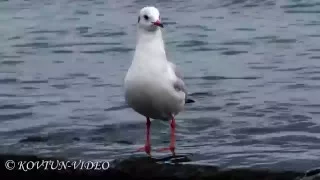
179	85
176	71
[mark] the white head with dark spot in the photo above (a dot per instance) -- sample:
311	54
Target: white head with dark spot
149	19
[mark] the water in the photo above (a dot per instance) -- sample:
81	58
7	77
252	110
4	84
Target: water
253	67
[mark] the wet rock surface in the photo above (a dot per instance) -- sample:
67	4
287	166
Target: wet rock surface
137	167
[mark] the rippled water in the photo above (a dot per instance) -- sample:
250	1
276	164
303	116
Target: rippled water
253	67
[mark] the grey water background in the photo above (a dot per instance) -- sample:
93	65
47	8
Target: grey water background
253	67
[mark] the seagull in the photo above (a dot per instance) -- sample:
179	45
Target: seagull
153	86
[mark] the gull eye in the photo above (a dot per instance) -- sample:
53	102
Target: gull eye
145	17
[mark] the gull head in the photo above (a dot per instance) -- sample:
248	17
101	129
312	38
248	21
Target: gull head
149	19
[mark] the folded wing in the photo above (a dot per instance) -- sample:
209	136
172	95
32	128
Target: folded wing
179	84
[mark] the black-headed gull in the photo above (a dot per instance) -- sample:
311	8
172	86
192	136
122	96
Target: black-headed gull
153	86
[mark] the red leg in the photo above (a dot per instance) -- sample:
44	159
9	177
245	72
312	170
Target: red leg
172	138
147	146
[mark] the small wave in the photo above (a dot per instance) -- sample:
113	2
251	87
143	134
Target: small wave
15	116
12	62
8	80
105	34
233	52
113	49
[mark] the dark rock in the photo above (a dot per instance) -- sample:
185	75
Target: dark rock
144	167
312	172
141	168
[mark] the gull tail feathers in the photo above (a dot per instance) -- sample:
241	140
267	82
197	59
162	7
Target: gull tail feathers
188	101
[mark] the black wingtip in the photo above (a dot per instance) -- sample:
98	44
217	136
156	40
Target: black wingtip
189	101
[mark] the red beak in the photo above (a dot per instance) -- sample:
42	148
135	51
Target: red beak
158	23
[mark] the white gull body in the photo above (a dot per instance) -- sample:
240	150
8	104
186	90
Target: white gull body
153	86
